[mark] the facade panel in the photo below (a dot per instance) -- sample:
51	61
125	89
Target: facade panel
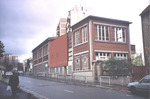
59	52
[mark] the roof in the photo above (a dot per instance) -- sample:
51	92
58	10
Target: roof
146	10
49	39
103	18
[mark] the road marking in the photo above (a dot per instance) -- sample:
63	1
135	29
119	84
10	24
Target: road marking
69	91
128	95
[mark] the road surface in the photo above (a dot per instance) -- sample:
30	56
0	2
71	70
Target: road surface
54	90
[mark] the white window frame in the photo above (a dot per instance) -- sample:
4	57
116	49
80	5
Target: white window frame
120	55
103	55
118	33
84	34
101	31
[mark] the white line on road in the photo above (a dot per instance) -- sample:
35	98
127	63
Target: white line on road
128	95
69	91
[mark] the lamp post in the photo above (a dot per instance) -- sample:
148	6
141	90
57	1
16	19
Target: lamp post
46	69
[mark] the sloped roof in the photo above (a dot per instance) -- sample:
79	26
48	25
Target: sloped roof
146	10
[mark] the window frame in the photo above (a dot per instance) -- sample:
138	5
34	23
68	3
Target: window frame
121	55
77	64
102	55
85	63
77	37
102	32
122	38
84	32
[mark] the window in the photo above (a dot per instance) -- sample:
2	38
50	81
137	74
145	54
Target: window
85	61
102	55
102	32
77	62
145	81
84	34
77	37
70	40
45	50
120	34
35	55
120	55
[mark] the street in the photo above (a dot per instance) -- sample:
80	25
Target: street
54	90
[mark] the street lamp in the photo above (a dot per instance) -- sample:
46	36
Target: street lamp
46	69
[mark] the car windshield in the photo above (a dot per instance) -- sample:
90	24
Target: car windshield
147	77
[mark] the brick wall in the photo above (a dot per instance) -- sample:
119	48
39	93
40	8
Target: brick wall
138	72
59	52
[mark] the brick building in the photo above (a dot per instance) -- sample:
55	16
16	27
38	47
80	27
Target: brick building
98	38
41	54
145	20
61	27
91	39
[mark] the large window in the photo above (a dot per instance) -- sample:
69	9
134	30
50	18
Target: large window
120	34
85	61
102	32
102	55
84	34
77	37
120	55
77	62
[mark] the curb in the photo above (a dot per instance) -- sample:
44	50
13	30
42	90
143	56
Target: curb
32	93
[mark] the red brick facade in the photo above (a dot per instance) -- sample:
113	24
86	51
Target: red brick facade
92	45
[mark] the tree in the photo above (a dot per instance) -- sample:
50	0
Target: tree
1	49
116	67
28	64
137	61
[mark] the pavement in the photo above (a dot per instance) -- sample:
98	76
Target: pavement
4	94
27	94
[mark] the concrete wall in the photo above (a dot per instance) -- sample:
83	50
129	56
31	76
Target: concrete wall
117	80
86	76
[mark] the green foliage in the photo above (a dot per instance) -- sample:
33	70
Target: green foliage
116	67
1	49
137	61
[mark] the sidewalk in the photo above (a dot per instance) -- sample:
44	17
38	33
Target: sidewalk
7	95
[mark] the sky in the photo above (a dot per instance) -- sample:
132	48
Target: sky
24	24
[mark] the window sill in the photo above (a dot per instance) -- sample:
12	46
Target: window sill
119	42
111	42
102	41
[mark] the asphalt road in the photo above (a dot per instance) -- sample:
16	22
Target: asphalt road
55	90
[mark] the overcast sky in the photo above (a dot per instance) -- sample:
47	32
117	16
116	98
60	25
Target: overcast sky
24	24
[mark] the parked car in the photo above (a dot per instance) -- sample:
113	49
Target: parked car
8	74
142	85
